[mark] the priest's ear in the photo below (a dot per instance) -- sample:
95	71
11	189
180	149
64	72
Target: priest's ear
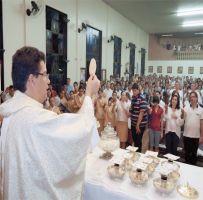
31	81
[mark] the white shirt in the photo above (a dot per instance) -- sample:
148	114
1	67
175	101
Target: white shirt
121	108
192	121
108	93
118	92
129	119
130	92
173	125
43	154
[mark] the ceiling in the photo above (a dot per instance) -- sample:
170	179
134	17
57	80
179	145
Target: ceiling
158	16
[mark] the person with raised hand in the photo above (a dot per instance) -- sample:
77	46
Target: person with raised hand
43	154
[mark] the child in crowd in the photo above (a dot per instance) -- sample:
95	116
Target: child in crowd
156	124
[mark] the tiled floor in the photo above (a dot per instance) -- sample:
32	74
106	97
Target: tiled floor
181	154
162	147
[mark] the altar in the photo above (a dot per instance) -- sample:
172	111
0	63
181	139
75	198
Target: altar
99	186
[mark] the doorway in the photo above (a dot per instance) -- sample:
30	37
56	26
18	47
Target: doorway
117	57
143	52
132	60
93	49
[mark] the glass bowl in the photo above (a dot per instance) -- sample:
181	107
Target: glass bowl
174	175
116	171
138	177
155	159
151	168
109	142
169	164
128	164
164	186
135	156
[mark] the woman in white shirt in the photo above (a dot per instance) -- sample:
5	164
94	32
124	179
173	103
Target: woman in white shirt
122	109
174	120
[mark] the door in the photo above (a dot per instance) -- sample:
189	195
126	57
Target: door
93	49
143	52
132	60
117	57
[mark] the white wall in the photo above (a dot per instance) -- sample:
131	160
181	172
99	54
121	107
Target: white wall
20	30
185	63
13	33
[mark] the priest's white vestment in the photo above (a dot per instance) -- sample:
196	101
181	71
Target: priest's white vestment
43	154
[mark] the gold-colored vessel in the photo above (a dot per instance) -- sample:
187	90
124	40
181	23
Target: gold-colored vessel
187	191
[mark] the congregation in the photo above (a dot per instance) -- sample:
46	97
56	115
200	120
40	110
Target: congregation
156	106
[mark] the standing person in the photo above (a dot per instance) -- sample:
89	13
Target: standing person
43	154
178	89
138	112
53	107
129	90
174	121
161	102
108	91
76	88
110	113
195	89
46	102
130	140
122	109
193	129
70	103
114	97
156	124
69	87
78	99
63	101
100	104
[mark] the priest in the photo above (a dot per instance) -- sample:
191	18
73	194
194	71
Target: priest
42	154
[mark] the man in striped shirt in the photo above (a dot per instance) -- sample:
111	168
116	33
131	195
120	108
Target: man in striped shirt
138	111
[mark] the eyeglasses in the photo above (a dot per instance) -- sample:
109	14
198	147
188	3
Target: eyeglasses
43	74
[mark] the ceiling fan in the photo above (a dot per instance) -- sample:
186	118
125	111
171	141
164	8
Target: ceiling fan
36	8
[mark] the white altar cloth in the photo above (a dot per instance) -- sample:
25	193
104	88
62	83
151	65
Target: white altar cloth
99	186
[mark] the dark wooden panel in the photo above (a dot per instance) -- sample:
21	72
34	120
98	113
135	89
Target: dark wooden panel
56	46
93	49
117	57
